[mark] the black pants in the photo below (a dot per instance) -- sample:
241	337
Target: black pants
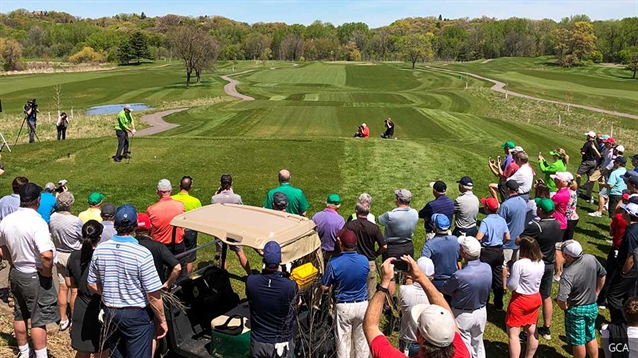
493	256
613	202
610	266
32	126
569	232
61	132
122	143
468	232
620	289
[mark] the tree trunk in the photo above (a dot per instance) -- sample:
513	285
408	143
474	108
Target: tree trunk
413	62
634	72
198	74
188	78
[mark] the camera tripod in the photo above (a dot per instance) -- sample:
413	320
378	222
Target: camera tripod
20	132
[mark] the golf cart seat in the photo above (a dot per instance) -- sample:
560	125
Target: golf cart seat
230	333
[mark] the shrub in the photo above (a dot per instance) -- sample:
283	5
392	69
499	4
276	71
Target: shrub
88	55
596	56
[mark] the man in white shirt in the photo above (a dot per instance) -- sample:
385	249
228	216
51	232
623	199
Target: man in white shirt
524	176
25	240
613	343
410	295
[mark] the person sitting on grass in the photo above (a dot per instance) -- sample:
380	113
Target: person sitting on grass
436	334
389	129
362	132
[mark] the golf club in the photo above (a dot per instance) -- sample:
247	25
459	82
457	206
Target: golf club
128	153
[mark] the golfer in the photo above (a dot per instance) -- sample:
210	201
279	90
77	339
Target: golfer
123	126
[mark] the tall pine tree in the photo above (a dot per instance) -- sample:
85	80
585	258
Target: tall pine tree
138	44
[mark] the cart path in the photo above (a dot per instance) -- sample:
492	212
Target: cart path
157	123
499	87
230	87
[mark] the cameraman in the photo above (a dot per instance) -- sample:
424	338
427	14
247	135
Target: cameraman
389	129
61	124
31	116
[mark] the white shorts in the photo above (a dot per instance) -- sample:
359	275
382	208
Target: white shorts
509	255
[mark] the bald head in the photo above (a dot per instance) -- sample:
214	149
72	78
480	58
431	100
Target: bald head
284	176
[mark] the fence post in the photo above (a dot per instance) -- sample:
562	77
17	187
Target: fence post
49	121
611	132
71	112
559	120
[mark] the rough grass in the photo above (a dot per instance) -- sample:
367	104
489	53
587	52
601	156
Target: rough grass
444	132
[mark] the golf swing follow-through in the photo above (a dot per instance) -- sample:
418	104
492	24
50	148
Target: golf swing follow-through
123	126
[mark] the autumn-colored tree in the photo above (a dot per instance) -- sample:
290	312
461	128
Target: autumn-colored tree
575	43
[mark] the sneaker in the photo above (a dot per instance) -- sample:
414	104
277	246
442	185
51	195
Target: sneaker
545	333
117	159
556	278
64	325
602	307
523	337
596	214
30	355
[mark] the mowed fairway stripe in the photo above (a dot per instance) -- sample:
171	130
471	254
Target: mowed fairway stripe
316	73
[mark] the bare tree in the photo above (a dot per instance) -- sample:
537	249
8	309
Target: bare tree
196	48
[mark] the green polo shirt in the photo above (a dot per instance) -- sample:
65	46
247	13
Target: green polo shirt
124	121
190	202
549	169
297	203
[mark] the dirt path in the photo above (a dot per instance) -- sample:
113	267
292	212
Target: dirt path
500	87
157	123
231	89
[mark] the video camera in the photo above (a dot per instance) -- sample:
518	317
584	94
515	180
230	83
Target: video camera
61	186
34	104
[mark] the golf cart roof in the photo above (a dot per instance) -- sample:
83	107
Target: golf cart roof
253	227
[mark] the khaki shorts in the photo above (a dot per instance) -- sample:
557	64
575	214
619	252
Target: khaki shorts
372	279
62	265
509	255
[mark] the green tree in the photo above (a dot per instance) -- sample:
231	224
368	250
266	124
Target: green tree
124	52
138	44
629	57
416	46
10	54
88	55
575	43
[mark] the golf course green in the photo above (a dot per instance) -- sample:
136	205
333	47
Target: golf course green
302	119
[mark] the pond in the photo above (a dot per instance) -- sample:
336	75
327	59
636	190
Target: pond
115	108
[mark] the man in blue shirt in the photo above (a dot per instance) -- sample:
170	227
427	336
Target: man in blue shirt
493	233
470	290
514	211
616	184
270	296
47	202
348	273
634	161
11	203
442	249
441	204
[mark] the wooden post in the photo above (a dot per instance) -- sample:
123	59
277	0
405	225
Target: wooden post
611	131
559	120
465	84
568	105
71	112
49	121
506	90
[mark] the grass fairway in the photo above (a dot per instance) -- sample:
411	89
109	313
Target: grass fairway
302	120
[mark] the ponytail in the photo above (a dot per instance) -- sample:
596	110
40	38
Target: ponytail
91	233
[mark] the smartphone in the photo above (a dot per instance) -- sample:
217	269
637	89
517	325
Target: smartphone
400	265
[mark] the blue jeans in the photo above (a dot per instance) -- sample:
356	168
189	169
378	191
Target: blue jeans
412	348
132	332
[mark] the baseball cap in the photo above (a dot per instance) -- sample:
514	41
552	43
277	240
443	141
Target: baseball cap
435	324
272	254
470	245
611	140
620	159
466	181
545	204
108	210
64	200
439	186
49	187
604	136
426	265
490	203
563	176
334	199
404	195
632	180
280	199
620	148
629	174
556	153
572	248
517	149
125	216
127	106
630	208
143	222
508	145
164	185
347	237
591	134
634	157
511	185
29	192
441	222
95	198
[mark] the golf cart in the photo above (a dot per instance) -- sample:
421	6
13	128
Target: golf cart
210	320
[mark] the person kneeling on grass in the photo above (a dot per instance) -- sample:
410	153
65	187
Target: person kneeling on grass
437	333
389	129
363	131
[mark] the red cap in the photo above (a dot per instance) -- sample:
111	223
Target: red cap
490	203
347	237
143	222
610	140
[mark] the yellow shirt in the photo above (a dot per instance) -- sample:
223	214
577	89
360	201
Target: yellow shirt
90	214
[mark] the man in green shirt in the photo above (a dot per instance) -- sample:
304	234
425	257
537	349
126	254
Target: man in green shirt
190	203
559	165
123	126
297	203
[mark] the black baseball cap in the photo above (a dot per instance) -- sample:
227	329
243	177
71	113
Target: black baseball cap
439	186
466	181
620	159
512	185
634	157
30	192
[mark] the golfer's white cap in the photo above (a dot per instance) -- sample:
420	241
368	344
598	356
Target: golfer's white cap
591	134
127	106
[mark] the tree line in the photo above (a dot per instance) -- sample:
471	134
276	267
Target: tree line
131	37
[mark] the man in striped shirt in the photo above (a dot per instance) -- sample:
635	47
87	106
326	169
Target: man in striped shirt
123	273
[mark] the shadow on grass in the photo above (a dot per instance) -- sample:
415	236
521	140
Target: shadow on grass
588	232
601	226
497	318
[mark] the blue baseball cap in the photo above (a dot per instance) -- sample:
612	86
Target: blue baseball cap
126	215
629	174
272	254
441	222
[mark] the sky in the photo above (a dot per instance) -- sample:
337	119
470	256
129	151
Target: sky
375	13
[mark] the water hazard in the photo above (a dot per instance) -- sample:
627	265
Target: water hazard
115	108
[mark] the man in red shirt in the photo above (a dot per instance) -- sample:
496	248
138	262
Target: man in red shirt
161	214
363	132
437	333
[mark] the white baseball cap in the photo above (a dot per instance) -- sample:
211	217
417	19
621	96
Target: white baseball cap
435	324
563	176
517	149
572	248
630	208
591	134
164	185
426	265
470	245
620	148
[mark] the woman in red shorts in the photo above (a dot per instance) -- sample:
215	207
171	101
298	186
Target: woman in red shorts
524	282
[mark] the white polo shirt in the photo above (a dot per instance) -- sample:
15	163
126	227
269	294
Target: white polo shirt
524	176
26	235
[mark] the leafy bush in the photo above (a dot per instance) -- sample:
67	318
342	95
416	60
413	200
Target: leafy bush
88	55
597	56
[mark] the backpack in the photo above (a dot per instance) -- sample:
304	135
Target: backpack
618	339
